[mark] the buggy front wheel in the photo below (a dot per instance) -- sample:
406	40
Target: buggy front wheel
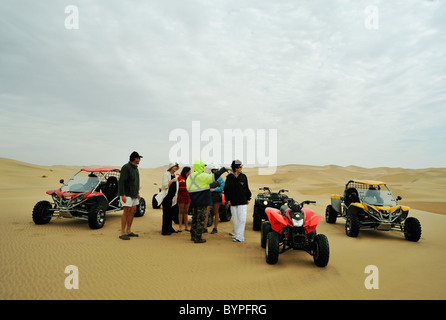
42	213
352	225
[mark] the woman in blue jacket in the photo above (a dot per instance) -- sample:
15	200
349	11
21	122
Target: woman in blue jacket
216	188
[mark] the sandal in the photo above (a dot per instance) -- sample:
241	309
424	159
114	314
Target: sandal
131	234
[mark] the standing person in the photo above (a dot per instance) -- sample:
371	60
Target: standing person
183	199
168	198
216	188
238	195
128	190
200	195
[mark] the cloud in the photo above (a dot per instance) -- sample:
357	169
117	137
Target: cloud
336	91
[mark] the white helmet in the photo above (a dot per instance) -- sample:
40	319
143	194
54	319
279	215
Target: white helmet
213	166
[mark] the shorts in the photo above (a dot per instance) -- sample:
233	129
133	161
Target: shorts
183	198
130	202
216	197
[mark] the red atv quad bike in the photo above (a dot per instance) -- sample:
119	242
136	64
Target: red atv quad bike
293	227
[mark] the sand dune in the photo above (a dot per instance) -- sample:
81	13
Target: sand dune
34	257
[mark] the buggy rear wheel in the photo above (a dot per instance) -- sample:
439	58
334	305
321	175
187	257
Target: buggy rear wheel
412	229
42	213
140	208
96	217
330	214
272	247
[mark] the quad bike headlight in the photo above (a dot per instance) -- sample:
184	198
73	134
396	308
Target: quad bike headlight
298	223
265	202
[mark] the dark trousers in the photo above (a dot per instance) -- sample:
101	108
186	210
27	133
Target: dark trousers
198	219
167	216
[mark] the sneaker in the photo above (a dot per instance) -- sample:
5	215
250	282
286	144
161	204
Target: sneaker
205	230
124	237
236	240
232	233
214	231
200	241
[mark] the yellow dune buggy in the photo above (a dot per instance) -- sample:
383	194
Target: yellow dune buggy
370	205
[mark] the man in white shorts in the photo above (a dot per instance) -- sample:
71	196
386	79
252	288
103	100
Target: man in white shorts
128	188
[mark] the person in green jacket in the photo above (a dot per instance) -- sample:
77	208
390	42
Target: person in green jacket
128	189
200	196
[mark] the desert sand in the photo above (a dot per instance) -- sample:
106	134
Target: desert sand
34	257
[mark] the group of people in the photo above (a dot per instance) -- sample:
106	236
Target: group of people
196	188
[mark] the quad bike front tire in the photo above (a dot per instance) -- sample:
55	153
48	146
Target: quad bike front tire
272	247
41	212
96	217
266	228
321	252
256	219
412	229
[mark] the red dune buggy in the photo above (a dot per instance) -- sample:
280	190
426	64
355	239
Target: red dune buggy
87	195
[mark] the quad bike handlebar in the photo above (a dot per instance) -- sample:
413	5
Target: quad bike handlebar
268	189
296	206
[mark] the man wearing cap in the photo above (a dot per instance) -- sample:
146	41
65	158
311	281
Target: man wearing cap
128	189
238	195
200	196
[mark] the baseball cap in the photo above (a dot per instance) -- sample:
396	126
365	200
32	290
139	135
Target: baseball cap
135	155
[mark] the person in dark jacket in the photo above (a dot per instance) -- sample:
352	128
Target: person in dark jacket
128	189
238	195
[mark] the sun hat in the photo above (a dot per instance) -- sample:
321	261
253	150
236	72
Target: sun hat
172	164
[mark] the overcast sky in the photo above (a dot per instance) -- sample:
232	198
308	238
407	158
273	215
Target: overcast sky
342	82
